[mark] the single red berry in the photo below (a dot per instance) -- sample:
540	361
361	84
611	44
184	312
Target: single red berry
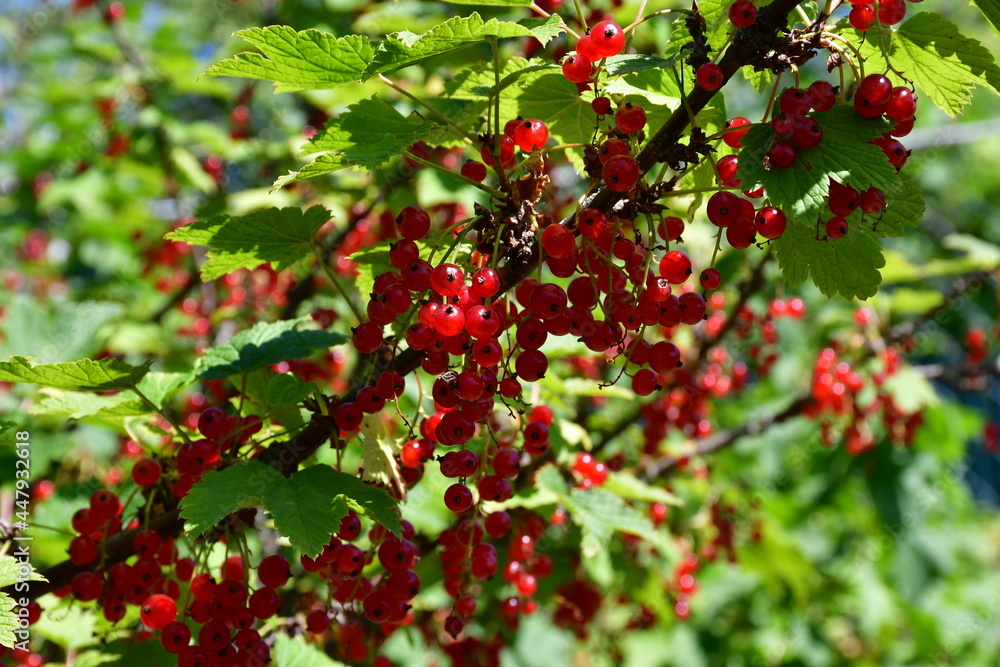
770	222
902	104
213	424
875	89
891	12
146	472
507	159
723	208
836	227
367	337
735	136
794	102
675	267
413	223
82	550
474	171
862	17
781	154
873	200
274	571
175	637
710	279
531	135
621	173
458	498
742	13
585	48
601	105
807	134
558	241
630	118
822	95
727	167
607	39
611	148
577	68
158	611
709	76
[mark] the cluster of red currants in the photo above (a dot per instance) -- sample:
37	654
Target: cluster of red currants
865	14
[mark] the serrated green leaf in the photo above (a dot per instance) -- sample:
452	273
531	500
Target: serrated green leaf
630	487
287	389
293	652
403	49
378	454
847	266
324	164
265	344
308	506
551	96
305	509
280	236
364	124
602	513
221	492
759	80
85	375
658	86
12	570
80	405
943	63
160	387
371	260
904	209
8	621
991	10
638	62
294	61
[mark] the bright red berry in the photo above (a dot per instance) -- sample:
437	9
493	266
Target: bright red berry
742	13
158	611
531	135
607	39
709	76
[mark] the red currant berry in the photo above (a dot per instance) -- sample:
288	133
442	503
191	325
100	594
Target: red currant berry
577	68
531	135
158	611
770	222
213	424
474	171
822	95
630	118
710	279
862	17
733	137
836	227
727	167
781	155
458	498
607	39
274	571
709	76
601	105
558	241
146	472
413	223
621	173
675	267
902	104
723	208
875	89
742	13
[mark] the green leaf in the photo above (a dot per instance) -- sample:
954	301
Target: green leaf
80	405
991	10
85	375
630	487
943	63
403	49
308	506
281	236
265	344
910	390
293	652
327	164
221	492
305	509
367	124
71	627
658	86
287	389
306	60
638	62
904	211
12	571
759	80
847	266
160	387
551	96
602	513
55	331
378	454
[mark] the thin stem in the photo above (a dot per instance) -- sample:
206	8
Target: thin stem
802	14
336	284
443	170
774	94
496	102
662	12
452	124
583	17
